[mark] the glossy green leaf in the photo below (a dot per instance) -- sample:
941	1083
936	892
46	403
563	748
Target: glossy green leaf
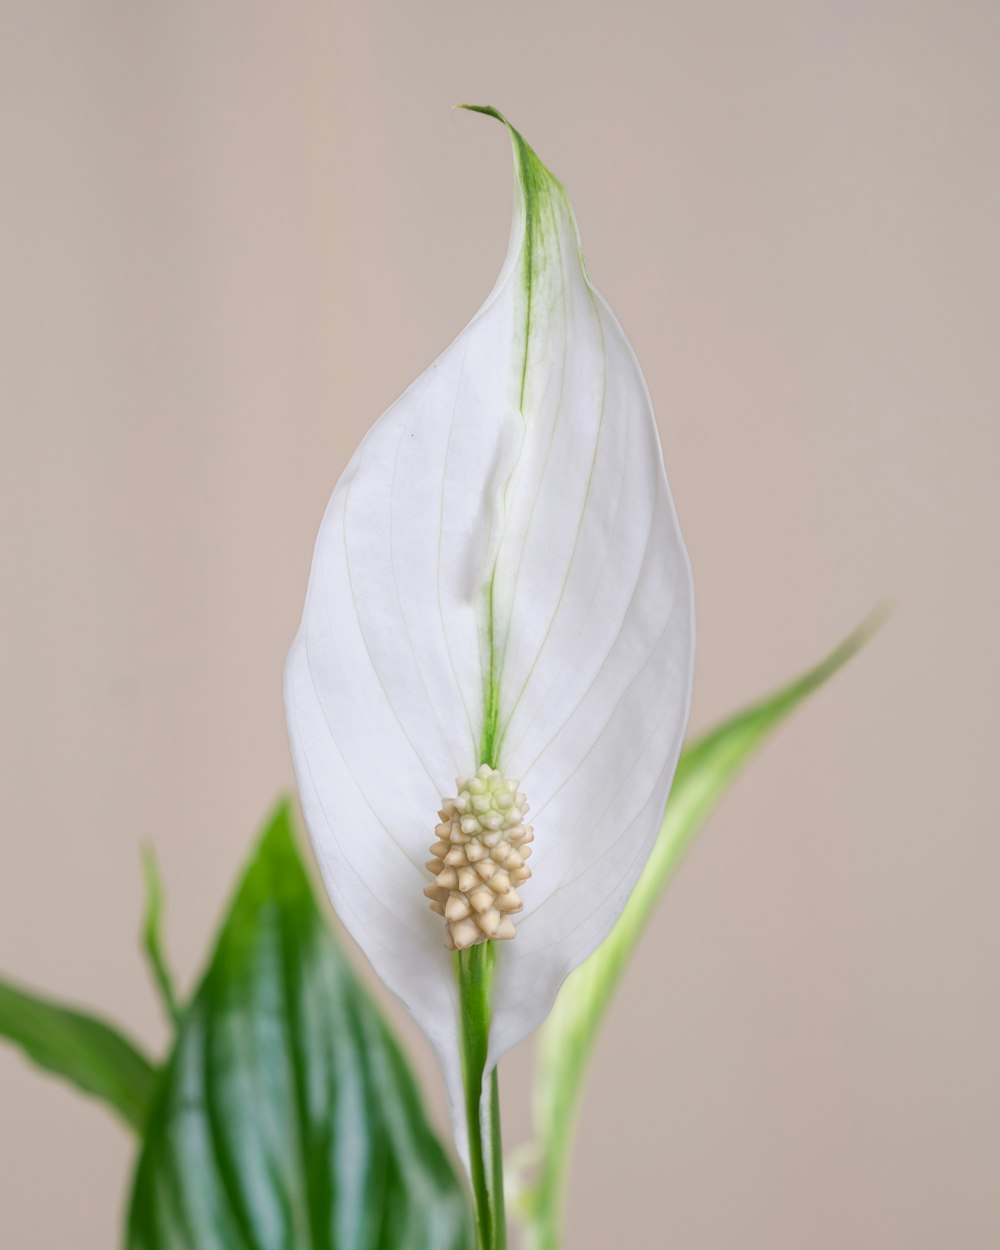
706	768
287	1118
81	1049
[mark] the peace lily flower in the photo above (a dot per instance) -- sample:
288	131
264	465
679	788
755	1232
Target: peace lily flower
499	615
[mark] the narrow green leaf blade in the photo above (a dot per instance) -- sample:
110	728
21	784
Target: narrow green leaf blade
705	770
287	1116
87	1052
152	936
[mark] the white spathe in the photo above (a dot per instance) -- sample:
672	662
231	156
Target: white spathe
499	573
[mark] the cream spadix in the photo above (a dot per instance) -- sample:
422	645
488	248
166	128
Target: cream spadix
479	859
499	589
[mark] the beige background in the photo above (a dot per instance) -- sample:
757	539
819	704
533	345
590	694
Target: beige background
232	233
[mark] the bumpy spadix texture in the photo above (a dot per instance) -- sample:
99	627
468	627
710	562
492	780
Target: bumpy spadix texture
499	579
479	859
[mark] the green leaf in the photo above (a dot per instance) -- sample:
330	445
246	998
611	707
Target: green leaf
287	1118
706	768
89	1053
152	936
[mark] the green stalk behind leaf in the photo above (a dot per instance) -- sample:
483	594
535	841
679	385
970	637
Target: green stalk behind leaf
705	769
85	1051
152	939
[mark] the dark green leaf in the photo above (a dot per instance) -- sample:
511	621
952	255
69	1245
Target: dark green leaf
92	1055
288	1119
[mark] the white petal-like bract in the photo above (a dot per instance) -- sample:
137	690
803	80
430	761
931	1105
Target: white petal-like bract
499	578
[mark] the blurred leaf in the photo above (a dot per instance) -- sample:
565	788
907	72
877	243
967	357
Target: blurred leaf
706	768
152	938
92	1055
287	1118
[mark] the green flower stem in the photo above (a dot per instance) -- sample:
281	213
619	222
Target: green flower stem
496	1157
475	988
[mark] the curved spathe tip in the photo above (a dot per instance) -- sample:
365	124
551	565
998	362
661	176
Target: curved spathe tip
526	158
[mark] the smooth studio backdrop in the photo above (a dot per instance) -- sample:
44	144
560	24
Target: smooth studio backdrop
231	234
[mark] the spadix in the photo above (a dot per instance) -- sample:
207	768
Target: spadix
478	861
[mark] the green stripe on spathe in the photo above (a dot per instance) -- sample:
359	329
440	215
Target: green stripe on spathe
537	185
